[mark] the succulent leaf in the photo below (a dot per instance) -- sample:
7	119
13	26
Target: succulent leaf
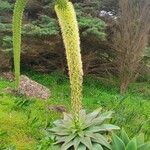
145	146
124	143
117	143
87	142
103	128
101	140
80	137
132	145
97	147
124	137
140	139
93	120
66	146
77	141
82	147
65	139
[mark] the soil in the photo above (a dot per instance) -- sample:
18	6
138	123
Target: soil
57	108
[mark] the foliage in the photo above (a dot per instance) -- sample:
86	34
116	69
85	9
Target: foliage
88	24
92	132
17	23
5	27
132	110
92	26
88	8
125	143
22	121
45	26
5	6
36	29
45	143
7	42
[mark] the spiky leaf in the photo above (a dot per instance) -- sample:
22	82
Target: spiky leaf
80	137
145	146
117	143
124	137
132	145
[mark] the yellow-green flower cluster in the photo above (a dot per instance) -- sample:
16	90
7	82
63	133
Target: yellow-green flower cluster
17	22
70	33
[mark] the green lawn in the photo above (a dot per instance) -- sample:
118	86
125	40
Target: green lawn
23	121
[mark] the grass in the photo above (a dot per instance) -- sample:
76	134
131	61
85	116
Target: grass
23	121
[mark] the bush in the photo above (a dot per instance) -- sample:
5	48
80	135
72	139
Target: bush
5	6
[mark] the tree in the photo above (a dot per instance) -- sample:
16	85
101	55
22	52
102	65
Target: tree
130	38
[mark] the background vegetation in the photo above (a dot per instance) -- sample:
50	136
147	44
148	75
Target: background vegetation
107	71
26	121
100	26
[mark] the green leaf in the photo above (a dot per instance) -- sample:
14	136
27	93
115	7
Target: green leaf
62	133
117	143
145	146
58	123
124	137
109	127
54	147
55	129
104	127
65	139
98	138
66	146
140	139
107	114
87	142
60	140
81	134
101	118
97	146
97	121
93	115
59	131
68	124
132	145
82	147
76	143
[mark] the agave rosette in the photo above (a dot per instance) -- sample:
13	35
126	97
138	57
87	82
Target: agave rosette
90	133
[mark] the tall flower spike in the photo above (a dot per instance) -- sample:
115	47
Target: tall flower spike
70	32
17	23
